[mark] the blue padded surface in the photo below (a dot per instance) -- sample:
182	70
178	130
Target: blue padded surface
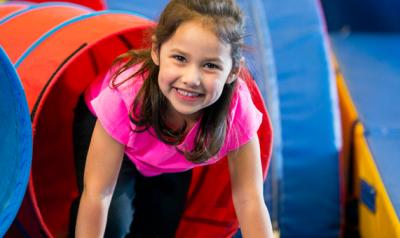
370	64
309	204
15	143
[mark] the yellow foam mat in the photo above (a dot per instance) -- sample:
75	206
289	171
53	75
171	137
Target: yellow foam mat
383	221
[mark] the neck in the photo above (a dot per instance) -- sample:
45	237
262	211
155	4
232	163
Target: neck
175	121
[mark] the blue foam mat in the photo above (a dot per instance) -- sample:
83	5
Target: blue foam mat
310	197
15	143
370	64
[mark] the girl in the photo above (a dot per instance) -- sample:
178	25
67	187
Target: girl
175	106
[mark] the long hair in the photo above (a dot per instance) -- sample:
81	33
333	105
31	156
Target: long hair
149	107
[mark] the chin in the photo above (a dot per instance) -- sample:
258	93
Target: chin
189	113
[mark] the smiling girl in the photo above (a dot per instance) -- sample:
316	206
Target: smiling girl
172	107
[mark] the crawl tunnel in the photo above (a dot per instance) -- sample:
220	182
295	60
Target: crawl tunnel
15	143
8	9
97	5
68	48
62	58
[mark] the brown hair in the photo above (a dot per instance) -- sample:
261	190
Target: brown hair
149	106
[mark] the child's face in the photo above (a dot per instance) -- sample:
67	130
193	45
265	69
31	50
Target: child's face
194	67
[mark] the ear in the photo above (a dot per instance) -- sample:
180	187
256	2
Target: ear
155	51
235	72
231	78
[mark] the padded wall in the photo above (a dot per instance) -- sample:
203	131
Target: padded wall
310	203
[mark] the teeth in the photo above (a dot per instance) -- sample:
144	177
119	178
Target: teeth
186	93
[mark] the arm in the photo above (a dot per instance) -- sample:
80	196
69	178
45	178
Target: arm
247	190
101	172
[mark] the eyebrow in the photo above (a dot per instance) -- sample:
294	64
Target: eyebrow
178	51
215	59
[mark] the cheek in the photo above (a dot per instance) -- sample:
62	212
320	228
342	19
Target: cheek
216	87
163	83
164	76
167	71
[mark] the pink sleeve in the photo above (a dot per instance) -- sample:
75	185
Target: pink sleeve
113	114
245	118
112	106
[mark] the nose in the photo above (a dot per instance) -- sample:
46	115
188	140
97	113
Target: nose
191	77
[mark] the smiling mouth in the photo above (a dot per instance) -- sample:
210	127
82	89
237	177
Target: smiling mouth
187	93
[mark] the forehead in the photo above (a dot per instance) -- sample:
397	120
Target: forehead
199	36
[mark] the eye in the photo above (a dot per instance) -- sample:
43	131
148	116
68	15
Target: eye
211	66
179	58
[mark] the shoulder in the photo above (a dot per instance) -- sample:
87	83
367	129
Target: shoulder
112	105
120	90
128	83
244	118
242	103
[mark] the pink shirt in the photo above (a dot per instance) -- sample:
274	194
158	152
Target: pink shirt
150	155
